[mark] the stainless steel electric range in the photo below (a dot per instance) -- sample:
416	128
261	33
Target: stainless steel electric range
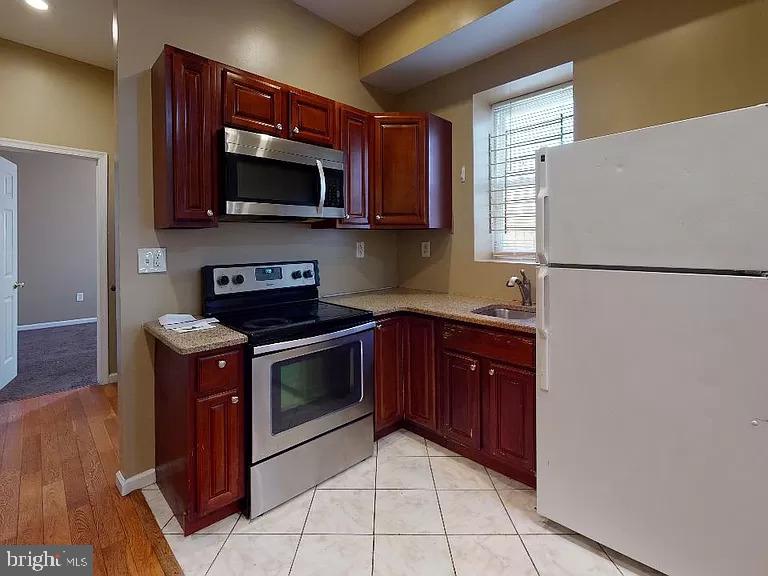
310	380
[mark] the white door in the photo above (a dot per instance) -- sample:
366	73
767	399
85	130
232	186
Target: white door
9	285
690	194
650	436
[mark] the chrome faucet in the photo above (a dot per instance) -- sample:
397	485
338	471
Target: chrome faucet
524	285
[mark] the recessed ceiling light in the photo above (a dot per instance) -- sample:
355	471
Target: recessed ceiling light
37	4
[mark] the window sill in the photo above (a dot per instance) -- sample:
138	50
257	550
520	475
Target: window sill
510	260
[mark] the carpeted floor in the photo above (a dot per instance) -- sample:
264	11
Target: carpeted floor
52	360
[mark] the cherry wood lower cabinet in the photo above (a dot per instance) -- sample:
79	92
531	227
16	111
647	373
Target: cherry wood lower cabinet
199	430
471	389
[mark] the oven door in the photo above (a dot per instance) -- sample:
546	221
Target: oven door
273	177
305	388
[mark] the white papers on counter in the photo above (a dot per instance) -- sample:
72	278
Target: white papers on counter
186	322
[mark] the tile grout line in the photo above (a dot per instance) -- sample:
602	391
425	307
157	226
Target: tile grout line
440	509
303	527
375	497
223	543
620	571
496	489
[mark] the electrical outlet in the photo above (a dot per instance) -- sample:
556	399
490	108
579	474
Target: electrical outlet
426	249
463	174
79	297
360	250
151	260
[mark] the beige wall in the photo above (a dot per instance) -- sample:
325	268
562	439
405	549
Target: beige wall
636	63
50	99
276	39
57	246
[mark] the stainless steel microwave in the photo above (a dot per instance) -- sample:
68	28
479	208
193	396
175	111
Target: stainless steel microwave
266	177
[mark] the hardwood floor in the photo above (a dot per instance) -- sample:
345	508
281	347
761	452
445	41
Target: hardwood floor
58	458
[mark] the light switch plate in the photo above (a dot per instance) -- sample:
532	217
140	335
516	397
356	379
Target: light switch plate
151	260
426	249
360	250
79	297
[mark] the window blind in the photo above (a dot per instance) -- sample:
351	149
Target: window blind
520	127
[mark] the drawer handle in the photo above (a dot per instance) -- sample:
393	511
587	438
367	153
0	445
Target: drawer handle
235	399
491	372
222	363
473	367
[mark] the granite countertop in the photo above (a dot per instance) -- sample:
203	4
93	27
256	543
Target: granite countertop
195	342
439	304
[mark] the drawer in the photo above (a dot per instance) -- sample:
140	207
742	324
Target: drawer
219	371
494	344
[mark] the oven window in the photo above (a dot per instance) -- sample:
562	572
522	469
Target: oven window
316	384
253	179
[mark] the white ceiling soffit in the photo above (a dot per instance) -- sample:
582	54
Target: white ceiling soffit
77	29
513	24
355	16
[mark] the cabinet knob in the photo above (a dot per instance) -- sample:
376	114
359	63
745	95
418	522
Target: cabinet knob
209	212
378	325
279	126
295	129
347	217
378	216
222	363
235	399
758	421
473	367
491	372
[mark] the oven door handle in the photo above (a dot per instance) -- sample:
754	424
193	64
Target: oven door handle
279	346
322	186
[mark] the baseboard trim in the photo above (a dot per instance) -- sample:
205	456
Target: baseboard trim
135	482
111	379
57	324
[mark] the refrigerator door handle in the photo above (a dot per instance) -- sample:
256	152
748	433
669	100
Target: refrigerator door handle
542	328
542	209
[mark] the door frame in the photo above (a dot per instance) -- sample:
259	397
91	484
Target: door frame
102	292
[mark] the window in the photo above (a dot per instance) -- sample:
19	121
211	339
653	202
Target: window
519	128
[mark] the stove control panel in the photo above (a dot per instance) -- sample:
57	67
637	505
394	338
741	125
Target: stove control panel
256	277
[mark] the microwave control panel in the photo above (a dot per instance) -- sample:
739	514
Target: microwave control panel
334	189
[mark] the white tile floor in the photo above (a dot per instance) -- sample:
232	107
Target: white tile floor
415	509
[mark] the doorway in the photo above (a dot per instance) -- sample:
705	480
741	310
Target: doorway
53	313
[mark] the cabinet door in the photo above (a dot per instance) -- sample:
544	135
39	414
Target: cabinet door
354	141
253	103
419	352
399	171
388	342
192	137
460	392
219	450
313	118
509	428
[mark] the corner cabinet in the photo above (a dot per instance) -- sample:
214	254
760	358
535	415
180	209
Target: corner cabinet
419	382
199	434
411	171
184	127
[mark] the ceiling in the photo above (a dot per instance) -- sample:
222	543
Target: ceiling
500	30
355	16
77	29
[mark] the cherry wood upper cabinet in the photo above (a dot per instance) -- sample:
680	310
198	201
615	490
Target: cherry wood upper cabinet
411	171
312	118
509	429
253	103
419	353
184	126
460	392
354	137
388	343
219	450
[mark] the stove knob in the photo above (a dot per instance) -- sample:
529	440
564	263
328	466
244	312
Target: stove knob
296	274
308	274
223	280
238	279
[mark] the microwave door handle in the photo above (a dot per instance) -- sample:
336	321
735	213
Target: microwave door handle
322	186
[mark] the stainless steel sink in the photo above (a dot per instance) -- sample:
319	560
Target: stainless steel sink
506	313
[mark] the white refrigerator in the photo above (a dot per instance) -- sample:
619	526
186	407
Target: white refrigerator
652	342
